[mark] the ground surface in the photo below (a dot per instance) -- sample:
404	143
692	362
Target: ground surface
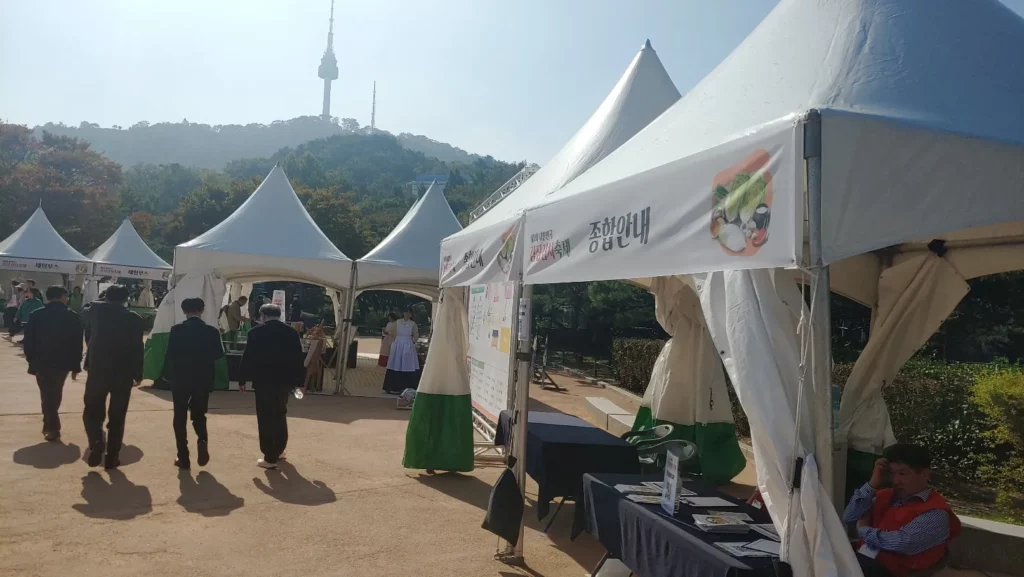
342	505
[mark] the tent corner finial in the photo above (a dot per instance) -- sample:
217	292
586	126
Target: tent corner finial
647	45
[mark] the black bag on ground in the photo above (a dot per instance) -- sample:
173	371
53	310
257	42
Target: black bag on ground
505	508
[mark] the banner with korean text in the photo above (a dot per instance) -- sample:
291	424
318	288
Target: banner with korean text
491	254
40	265
119	271
736	206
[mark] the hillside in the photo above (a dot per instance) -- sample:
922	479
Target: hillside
213	147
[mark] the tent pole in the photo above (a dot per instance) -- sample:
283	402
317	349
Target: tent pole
826	396
523	357
346	324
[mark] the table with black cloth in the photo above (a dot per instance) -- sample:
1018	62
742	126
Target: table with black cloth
653	544
561	448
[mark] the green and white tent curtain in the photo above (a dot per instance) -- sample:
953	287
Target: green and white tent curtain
440	431
687	387
914	297
210	288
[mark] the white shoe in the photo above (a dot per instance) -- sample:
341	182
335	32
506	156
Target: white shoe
266	464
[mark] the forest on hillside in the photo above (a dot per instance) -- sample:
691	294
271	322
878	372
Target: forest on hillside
213	147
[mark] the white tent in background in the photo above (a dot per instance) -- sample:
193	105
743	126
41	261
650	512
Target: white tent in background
406	260
37	247
642	93
912	150
269	237
126	255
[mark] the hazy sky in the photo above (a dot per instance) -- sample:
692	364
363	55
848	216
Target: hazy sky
513	79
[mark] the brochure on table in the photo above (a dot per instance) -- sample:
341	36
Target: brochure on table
491	312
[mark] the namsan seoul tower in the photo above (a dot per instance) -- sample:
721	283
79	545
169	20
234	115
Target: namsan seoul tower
328	68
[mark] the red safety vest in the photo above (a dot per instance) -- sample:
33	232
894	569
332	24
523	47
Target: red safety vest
887	518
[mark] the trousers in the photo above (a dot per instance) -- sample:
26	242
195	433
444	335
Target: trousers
51	393
271	420
96	411
9	314
189	402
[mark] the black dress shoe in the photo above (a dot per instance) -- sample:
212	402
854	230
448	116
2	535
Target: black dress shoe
204	453
111	463
52	436
182	463
95	456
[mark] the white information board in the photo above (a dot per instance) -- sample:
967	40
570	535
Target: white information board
491	312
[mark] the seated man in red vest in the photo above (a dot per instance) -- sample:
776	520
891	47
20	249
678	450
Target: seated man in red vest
904	529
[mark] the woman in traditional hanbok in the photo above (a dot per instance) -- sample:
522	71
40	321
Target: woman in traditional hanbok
403	364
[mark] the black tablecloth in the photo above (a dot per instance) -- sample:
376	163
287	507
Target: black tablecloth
561	448
653	544
234	362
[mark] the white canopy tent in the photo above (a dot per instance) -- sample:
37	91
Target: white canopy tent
36	247
125	254
642	93
899	119
406	260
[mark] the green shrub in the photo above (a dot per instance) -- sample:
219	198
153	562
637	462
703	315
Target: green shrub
634	360
1000	393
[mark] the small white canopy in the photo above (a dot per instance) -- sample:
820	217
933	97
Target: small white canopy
407	259
642	93
269	237
125	254
37	246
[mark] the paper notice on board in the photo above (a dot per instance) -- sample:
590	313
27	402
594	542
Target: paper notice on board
525	319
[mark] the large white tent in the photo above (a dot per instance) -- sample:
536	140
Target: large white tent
900	120
269	237
406	260
126	255
642	93
38	247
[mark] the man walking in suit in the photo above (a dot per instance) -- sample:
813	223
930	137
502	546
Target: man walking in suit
192	350
53	348
273	363
114	337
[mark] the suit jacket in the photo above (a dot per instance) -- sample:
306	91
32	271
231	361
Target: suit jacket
114	336
53	339
193	348
273	357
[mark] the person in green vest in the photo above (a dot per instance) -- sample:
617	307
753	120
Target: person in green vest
28	306
75	300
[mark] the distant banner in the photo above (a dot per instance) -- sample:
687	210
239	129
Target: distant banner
492	254
57	266
131	272
733	207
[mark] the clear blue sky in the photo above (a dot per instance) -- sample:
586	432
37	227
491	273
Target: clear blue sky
513	79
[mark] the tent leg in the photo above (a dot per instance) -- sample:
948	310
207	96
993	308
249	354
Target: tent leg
523	359
345	328
826	396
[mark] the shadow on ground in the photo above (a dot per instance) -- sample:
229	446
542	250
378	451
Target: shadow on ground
117	499
287	485
204	495
326	408
465	488
48	455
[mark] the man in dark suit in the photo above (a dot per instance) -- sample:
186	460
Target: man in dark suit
192	350
273	363
114	337
53	348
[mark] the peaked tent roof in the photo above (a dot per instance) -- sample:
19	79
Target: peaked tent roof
38	246
922	131
125	248
271	236
410	254
642	93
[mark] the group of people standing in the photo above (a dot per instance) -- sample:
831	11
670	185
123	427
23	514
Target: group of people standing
398	353
112	337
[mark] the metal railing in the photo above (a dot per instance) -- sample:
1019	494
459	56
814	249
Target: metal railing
503	191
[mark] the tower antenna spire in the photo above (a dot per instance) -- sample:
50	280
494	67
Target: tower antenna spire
373	111
328	70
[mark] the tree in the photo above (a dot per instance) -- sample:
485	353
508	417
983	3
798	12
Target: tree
350	125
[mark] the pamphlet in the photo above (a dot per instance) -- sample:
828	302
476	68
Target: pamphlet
720	524
766	529
641	489
645	499
707	502
734	514
741	550
765	546
659	485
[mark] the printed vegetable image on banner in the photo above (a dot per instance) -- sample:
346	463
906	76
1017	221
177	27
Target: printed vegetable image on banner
733	207
741	205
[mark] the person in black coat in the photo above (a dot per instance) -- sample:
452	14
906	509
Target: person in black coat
193	348
273	362
53	348
114	337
